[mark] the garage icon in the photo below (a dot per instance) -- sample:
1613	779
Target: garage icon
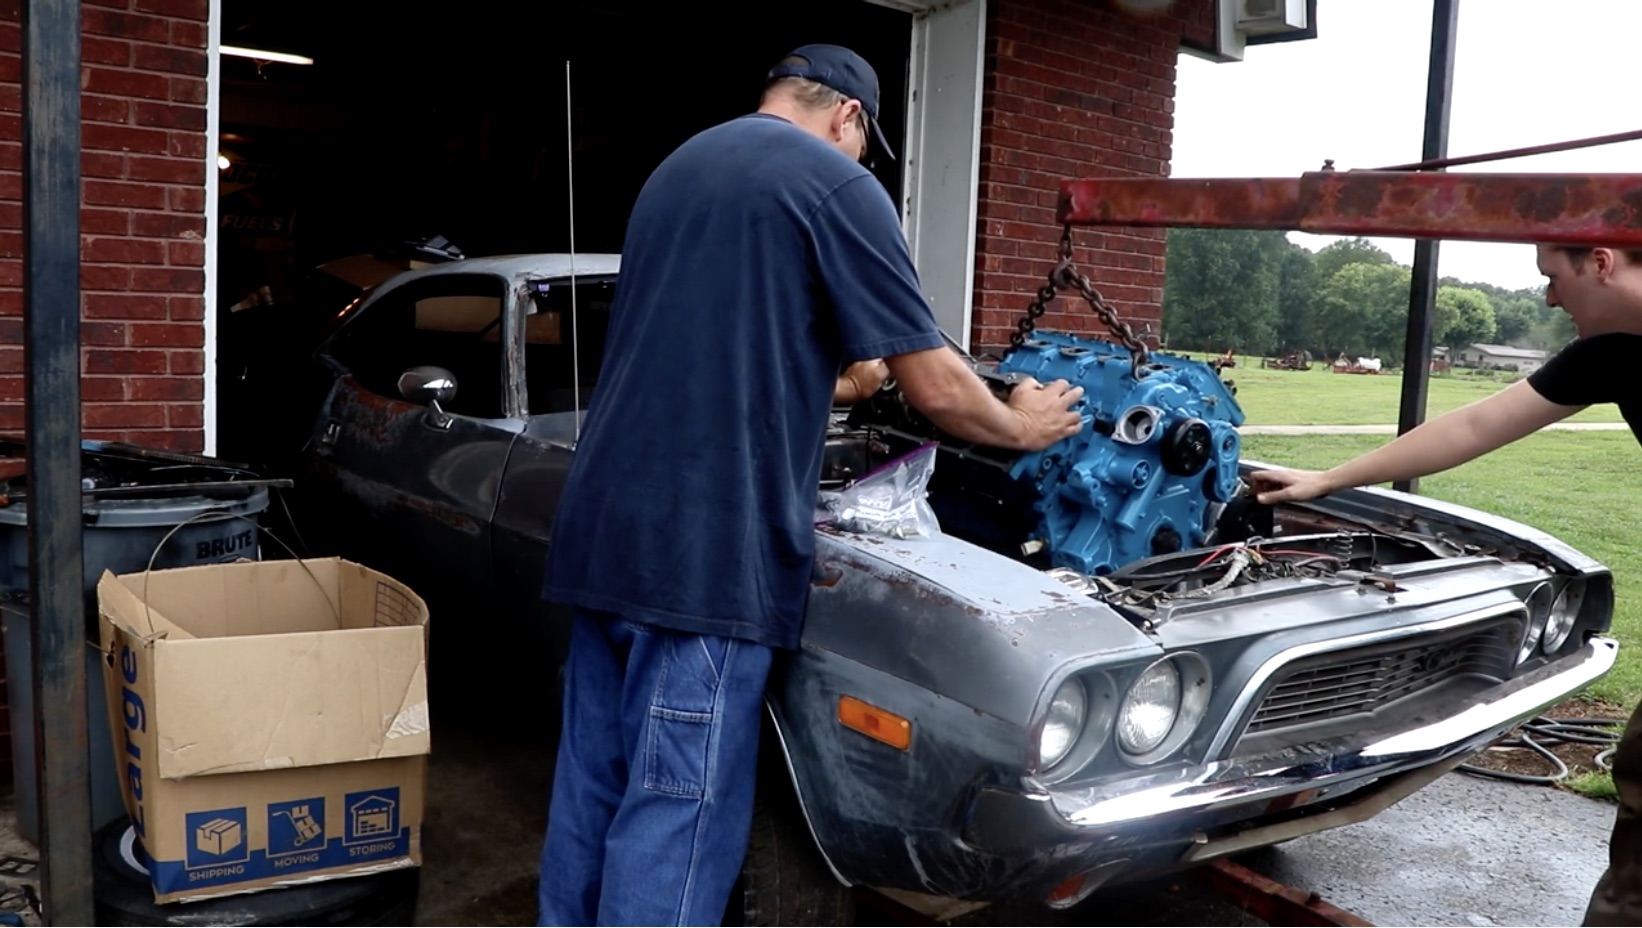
373	816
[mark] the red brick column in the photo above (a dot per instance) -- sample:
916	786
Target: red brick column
143	220
1073	89
142	227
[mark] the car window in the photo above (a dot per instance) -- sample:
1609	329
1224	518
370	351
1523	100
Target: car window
450	322
565	348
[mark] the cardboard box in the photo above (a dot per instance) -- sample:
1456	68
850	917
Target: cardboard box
270	719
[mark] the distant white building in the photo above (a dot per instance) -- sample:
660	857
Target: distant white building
1500	357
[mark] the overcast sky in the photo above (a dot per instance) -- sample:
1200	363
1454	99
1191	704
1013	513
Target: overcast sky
1526	72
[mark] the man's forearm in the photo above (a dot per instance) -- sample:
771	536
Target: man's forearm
1427	449
1452	438
974	414
941	386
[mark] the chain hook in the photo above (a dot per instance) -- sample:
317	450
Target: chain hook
1064	276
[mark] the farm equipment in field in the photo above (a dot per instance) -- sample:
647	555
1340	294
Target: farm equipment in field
1293	361
1346	365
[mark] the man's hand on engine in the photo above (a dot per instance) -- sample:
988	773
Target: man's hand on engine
859	381
1045	411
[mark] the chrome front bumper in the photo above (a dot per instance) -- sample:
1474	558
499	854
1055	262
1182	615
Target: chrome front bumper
1176	803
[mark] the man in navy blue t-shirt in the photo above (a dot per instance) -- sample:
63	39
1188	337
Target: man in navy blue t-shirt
1601	290
761	258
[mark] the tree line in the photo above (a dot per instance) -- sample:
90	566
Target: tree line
1257	293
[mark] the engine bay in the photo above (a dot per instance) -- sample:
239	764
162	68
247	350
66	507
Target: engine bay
1145	504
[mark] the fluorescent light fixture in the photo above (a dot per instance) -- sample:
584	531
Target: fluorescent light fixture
260	54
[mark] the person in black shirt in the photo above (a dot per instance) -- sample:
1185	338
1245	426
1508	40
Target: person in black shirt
1601	291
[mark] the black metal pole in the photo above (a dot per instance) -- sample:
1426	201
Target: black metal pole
1422	290
51	397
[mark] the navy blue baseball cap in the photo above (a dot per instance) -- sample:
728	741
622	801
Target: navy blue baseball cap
841	69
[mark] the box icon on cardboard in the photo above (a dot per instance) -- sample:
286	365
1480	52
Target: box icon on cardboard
246	700
216	836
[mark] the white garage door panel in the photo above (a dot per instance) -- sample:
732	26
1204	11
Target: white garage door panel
943	156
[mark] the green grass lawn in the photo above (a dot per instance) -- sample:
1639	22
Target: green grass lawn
1321	397
1583	487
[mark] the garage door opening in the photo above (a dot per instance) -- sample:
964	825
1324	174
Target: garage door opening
415	121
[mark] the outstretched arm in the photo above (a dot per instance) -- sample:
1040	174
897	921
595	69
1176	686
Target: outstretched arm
1444	442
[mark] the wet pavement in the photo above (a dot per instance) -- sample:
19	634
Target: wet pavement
1464	851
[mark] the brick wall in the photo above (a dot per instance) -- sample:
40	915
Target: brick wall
142	242
1073	88
1197	24
143	222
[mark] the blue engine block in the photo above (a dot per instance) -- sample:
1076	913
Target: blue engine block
1155	452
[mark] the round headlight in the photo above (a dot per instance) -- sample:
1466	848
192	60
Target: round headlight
1062	723
1563	614
1149	710
1538	604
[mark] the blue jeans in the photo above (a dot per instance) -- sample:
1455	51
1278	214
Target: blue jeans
653	788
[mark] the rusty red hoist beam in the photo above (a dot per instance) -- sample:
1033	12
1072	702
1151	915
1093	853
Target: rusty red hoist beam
1273	902
1565	209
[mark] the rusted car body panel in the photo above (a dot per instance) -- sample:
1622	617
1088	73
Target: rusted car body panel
971	645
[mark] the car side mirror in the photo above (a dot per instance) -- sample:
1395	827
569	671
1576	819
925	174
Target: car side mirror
430	386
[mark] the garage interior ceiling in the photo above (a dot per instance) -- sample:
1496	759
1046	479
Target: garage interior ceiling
415	121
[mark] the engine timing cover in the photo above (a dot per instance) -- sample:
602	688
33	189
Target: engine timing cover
1155	453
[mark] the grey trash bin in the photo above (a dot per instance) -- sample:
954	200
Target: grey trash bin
120	534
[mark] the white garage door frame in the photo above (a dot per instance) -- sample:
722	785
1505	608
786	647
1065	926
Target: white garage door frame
213	142
941	173
942	151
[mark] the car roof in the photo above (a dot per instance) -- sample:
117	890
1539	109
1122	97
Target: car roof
515	269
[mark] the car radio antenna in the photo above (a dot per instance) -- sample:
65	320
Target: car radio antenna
575	322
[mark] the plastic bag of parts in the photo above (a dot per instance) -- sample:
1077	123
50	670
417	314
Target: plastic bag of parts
890	501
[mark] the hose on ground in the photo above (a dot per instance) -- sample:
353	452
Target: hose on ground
1540	734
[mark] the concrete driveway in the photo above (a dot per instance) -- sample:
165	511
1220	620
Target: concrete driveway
1465	851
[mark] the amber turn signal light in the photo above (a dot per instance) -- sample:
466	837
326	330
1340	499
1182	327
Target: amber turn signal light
874	722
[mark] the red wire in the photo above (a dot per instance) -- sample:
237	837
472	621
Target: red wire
1304	553
1216	553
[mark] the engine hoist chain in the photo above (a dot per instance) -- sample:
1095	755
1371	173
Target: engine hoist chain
1065	277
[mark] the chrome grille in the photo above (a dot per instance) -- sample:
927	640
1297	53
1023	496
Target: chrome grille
1353	684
